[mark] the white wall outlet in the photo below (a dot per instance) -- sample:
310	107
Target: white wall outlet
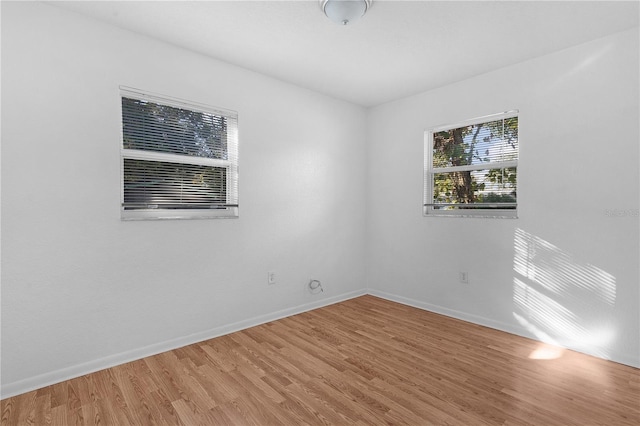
464	277
271	277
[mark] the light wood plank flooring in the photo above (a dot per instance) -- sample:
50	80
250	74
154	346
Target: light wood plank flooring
365	361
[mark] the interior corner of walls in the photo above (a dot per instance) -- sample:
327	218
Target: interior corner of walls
598	352
441	310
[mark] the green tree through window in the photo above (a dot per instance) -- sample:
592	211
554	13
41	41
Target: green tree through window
473	166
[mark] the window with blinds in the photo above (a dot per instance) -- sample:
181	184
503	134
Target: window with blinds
471	168
179	159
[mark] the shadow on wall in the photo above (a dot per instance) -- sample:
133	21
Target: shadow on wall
560	300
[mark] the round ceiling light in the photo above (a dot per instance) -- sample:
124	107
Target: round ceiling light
344	12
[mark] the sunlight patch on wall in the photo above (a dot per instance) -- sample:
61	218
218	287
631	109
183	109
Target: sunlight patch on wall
556	271
561	300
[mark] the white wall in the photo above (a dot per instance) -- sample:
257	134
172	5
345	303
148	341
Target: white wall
80	288
566	271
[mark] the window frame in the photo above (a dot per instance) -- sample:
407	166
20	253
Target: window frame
229	209
428	208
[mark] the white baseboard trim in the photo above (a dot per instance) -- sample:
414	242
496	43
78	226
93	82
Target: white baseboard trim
16	388
475	319
626	359
40	381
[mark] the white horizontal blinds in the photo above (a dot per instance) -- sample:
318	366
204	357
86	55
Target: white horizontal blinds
476	146
473	165
151	126
156	184
177	156
232	157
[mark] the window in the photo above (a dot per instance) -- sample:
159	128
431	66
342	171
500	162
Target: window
179	159
471	168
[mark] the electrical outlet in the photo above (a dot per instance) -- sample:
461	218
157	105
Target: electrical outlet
464	277
271	277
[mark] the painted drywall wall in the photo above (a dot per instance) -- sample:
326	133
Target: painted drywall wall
565	271
82	289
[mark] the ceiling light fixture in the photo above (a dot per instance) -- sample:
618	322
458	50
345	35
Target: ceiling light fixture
345	11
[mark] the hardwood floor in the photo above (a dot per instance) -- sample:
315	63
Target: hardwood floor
365	361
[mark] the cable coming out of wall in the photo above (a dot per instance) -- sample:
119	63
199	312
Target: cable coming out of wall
315	287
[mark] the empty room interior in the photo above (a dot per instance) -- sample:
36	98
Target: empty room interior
320	212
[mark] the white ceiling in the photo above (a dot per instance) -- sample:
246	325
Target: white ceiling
398	48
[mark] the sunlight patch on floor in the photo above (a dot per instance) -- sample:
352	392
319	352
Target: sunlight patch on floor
545	351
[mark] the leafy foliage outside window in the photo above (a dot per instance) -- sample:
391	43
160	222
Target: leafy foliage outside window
473	167
178	160
155	127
